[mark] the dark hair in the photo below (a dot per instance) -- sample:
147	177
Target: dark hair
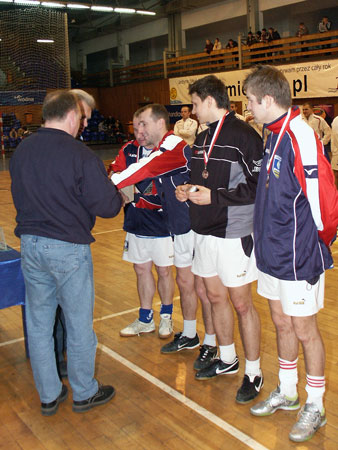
57	104
267	80
308	104
157	112
213	87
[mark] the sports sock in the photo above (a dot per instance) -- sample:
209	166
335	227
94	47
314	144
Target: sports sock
145	315
189	328
315	388
210	339
288	377
166	309
227	353
253	368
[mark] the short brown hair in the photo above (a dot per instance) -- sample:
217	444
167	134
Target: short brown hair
157	112
267	80
85	97
213	87
57	105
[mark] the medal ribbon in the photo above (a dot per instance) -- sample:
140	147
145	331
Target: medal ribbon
279	138
206	155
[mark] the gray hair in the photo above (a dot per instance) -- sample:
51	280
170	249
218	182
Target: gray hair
84	97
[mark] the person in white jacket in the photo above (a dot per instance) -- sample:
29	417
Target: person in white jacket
186	127
334	149
317	123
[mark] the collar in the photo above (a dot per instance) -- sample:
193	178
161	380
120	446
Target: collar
277	124
168	133
212	126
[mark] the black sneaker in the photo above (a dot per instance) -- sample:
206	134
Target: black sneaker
218	367
102	396
48	409
180	343
207	354
250	388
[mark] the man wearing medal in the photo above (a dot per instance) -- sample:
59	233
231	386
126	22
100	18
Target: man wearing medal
225	166
291	258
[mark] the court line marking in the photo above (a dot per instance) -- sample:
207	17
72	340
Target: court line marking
211	417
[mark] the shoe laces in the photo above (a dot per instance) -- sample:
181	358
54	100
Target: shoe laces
307	417
204	352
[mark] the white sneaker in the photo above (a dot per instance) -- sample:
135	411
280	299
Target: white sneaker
137	328
166	326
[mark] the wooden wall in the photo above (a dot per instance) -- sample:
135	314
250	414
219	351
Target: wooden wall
122	101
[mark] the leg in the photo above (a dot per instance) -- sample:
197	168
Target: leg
287	342
40	316
248	319
221	310
166	288
186	285
206	305
146	286
165	284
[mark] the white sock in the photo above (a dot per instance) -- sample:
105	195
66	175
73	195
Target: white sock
189	328
253	368
288	377
315	388
210	339
227	353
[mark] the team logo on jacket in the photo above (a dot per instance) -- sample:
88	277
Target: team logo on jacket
277	161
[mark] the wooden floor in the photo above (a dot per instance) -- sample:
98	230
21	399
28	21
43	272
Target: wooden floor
158	404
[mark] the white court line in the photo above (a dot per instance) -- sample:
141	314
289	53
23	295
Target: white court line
109	231
13	341
237	434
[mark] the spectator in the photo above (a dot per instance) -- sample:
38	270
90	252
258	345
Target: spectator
319	125
208	46
272	35
264	35
231	44
302	30
324	25
251	39
13	134
217	44
233	107
186	127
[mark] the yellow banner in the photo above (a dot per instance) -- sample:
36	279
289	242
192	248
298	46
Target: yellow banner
307	80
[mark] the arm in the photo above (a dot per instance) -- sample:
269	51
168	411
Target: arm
190	131
325	132
160	163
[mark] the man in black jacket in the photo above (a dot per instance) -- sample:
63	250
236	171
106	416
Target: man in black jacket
59	187
225	166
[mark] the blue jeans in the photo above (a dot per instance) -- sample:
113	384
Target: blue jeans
59	272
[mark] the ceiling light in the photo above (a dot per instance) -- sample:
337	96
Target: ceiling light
52	5
146	13
27	2
125	10
77	6
45	41
102	8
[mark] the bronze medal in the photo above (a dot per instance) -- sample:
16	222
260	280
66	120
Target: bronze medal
205	174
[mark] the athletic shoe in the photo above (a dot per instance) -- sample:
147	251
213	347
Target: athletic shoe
181	343
310	419
218	367
275	401
48	409
207	354
102	396
250	388
166	326
137	328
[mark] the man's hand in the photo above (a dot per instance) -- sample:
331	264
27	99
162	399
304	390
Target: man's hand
125	198
200	197
182	192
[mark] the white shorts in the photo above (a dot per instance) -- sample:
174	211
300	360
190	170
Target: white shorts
226	258
139	250
184	249
298	298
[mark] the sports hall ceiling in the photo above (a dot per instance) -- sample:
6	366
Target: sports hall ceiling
88	24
